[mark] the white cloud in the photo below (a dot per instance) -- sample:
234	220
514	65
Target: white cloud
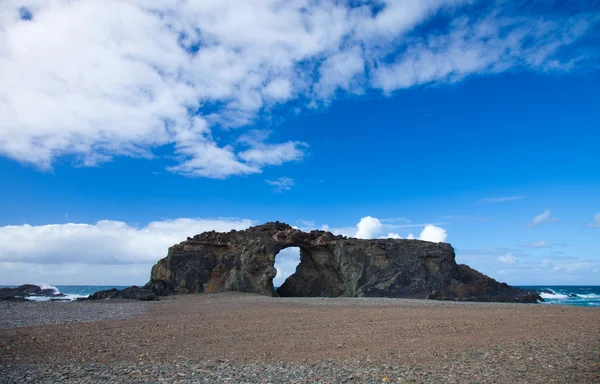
539	244
273	154
120	78
368	228
501	199
371	227
595	221
281	184
392	235
543	217
433	234
507	259
37	253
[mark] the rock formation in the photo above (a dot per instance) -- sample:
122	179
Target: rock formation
330	265
132	293
22	292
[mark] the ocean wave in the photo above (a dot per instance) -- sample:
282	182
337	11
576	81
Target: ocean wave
550	294
66	297
55	295
48	286
588	296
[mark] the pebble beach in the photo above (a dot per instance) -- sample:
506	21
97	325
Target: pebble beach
242	338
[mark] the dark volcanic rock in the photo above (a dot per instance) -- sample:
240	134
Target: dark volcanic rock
132	293
27	290
471	285
330	265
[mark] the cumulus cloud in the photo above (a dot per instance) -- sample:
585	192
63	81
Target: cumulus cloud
368	228
392	235
39	252
507	259
371	227
595	223
121	78
433	234
281	184
541	218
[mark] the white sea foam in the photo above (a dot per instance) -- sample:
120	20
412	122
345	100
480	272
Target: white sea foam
55	291
553	296
588	296
48	286
66	297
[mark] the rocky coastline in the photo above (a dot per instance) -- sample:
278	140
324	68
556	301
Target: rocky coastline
330	266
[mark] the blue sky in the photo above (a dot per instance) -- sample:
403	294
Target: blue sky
470	122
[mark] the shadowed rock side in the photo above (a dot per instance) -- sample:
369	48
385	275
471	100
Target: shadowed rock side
330	265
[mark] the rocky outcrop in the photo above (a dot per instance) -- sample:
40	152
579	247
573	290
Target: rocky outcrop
131	293
471	285
330	265
22	292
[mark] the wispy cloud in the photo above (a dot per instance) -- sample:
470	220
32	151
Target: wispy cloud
412	225
281	184
507	259
306	223
141	75
465	217
395	219
541	218
595	223
539	244
500	199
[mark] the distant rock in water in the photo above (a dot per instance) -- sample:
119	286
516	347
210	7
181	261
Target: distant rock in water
330	265
22	292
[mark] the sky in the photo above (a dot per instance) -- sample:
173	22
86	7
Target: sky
126	126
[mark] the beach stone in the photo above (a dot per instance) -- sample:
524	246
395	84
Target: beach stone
330	265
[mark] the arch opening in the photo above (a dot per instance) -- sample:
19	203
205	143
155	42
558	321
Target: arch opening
286	262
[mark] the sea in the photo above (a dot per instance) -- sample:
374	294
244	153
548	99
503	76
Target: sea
578	295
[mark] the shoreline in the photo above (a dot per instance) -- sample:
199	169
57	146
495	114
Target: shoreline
239	335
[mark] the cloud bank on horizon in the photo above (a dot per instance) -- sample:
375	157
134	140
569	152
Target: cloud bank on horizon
123	78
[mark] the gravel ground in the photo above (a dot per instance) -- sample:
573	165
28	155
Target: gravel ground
21	314
240	338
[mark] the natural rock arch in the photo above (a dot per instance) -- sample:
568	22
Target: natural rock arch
330	265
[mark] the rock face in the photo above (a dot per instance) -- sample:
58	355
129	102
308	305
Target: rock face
330	265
